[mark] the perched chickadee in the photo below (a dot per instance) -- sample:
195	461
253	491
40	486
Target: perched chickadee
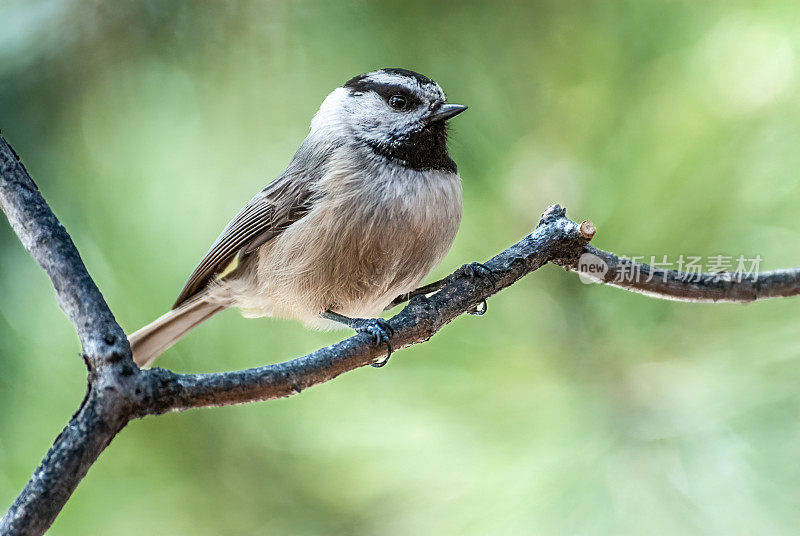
370	203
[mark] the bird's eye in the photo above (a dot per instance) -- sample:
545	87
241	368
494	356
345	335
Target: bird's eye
398	102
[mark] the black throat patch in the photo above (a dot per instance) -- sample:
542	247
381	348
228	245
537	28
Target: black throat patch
421	151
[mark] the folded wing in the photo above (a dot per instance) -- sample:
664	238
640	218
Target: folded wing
283	202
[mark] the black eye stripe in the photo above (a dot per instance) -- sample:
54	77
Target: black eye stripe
384	90
387	90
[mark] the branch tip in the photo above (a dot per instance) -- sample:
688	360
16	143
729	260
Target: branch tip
552	213
587	230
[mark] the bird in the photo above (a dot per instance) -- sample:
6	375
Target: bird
370	203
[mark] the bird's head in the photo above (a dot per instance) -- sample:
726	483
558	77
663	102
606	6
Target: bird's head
399	114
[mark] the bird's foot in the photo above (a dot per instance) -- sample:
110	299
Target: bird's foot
380	331
475	270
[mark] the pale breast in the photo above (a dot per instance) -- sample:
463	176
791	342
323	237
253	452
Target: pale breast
367	241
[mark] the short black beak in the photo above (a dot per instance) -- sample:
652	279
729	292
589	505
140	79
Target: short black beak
446	111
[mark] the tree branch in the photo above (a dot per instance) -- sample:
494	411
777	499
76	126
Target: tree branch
725	287
49	243
105	409
118	391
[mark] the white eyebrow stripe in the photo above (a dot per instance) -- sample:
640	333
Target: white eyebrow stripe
388	78
432	90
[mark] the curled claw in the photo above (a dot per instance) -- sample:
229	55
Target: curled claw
477	269
380	330
474	270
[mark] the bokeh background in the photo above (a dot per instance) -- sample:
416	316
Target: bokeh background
568	409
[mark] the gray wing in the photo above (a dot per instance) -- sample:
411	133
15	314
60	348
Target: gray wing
284	201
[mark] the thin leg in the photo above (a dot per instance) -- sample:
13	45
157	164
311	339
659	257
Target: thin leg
421	291
471	270
377	327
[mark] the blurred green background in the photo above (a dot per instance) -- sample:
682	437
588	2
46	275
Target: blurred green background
568	409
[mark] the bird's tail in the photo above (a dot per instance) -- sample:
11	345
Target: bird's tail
152	340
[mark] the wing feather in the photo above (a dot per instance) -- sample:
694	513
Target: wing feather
283	202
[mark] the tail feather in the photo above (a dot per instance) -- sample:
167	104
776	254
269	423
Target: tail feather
155	338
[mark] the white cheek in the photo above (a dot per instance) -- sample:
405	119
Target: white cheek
329	115
365	115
